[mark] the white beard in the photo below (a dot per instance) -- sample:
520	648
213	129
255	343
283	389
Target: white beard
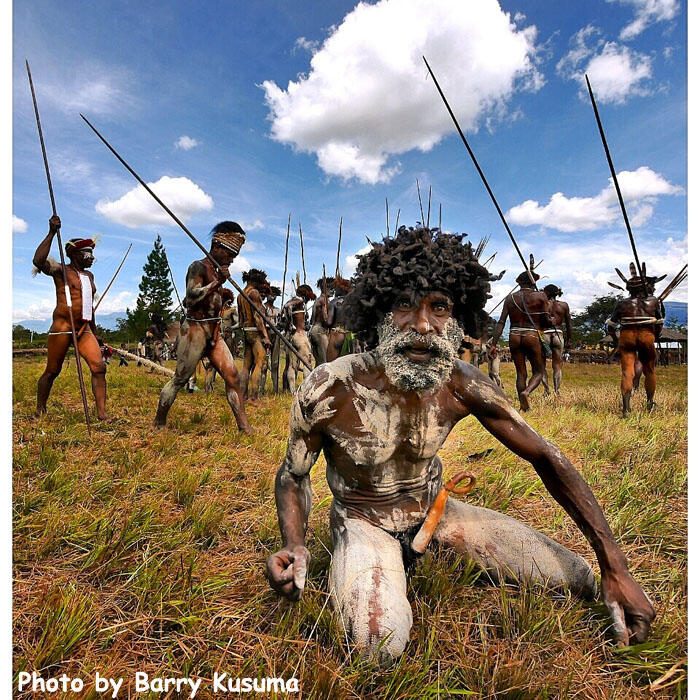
417	376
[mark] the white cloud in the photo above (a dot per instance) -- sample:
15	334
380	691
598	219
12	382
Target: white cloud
616	72
137	207
646	13
351	261
639	190
39	311
18	225
92	88
306	44
240	264
251	227
583	268
368	97
117	302
186	143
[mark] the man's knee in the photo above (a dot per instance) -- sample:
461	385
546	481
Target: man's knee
368	588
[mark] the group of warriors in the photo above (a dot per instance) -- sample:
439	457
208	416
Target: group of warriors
387	390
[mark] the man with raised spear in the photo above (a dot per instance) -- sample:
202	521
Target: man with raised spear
77	310
200	333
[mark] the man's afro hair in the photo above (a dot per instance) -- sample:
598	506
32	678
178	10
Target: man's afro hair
254	276
421	260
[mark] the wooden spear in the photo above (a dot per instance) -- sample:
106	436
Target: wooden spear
235	285
337	256
66	289
430	196
301	243
386	201
420	202
286	255
480	171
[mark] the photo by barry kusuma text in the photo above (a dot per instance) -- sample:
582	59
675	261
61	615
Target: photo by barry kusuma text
141	682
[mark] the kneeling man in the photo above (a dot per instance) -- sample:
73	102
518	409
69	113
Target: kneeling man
381	416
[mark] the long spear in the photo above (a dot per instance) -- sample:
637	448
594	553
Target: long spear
172	279
301	243
114	276
420	201
66	289
396	228
512	290
617	186
337	256
286	254
480	171
99	301
386	200
255	309
430	196
678	279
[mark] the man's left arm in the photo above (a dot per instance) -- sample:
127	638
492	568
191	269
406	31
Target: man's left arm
629	606
567	325
255	297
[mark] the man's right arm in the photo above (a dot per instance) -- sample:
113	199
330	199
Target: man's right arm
498	330
41	261
195	290
612	323
286	569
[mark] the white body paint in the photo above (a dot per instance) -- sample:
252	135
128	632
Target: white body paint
384	474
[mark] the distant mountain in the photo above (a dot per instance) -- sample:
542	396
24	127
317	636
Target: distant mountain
108	321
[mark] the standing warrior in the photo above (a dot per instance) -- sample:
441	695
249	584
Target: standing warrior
527	310
318	335
340	340
294	323
381	416
200	332
256	340
81	284
272	313
559	340
640	319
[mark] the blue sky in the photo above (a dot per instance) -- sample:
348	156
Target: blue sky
250	111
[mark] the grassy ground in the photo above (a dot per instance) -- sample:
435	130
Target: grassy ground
143	551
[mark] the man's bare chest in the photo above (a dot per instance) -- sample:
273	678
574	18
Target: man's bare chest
373	429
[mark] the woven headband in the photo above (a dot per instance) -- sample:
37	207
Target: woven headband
233	240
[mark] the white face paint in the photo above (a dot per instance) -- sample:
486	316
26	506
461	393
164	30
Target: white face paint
417	376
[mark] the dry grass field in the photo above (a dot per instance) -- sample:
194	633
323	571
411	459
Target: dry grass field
143	551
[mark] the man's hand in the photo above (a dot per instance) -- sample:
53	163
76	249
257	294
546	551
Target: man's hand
286	571
629	606
493	351
267	343
54	223
222	274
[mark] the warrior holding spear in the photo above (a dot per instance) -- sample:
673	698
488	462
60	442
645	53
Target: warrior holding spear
639	319
256	340
200	334
380	418
318	335
79	309
528	313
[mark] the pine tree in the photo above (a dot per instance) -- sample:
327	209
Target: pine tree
155	294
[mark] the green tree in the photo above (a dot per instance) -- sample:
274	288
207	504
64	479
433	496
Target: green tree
675	323
155	295
589	325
